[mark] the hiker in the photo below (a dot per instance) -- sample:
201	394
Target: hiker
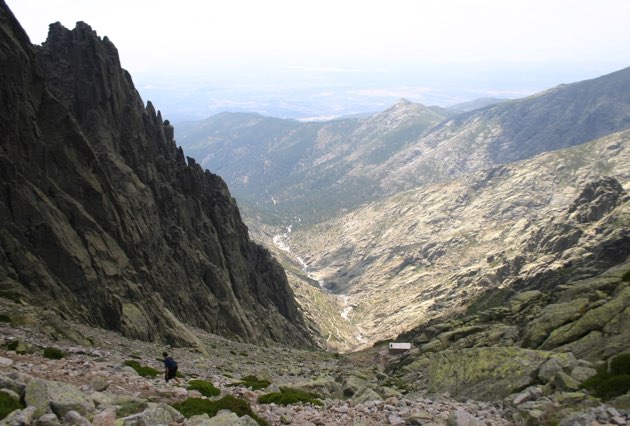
170	368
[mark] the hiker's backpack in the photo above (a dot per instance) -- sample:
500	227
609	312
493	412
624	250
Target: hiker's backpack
170	363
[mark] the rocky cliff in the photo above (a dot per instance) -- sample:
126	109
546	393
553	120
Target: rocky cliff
102	216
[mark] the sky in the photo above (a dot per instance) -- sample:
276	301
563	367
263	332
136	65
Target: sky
327	58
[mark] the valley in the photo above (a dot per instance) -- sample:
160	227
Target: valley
442	215
278	259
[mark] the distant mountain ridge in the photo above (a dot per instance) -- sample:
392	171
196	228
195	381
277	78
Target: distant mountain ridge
102	216
476	104
272	164
284	166
562	117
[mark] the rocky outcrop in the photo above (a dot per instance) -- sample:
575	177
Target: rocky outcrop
476	373
55	397
554	339
597	199
104	219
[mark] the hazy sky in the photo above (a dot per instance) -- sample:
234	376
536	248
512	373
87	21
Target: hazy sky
299	58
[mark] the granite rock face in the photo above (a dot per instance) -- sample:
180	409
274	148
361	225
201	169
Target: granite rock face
102	216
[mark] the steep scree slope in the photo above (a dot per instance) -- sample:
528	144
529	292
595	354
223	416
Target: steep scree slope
102	217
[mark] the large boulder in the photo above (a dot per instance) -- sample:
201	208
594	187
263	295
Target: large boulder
477	373
323	386
611	316
56	397
155	414
552	317
222	418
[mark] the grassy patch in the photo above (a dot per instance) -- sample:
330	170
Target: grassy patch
204	387
11	346
252	382
142	370
620	364
8	405
53	353
197	406
607	385
128	408
288	396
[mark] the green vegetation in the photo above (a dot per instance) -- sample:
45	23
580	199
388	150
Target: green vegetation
128	408
197	406
5	318
608	385
204	387
142	370
8	405
53	353
252	382
626	276
620	364
11	346
288	396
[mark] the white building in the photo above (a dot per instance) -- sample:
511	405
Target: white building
399	348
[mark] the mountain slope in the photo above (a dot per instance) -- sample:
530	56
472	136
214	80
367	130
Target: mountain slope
398	235
102	216
423	253
284	167
475	104
562	117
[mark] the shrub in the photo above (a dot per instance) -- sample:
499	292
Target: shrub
12	345
607	385
132	363
197	406
620	364
128	408
626	276
206	388
5	318
7	405
53	353
288	396
142	370
253	382
612	386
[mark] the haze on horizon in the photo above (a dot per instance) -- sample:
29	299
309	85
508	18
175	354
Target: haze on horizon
329	58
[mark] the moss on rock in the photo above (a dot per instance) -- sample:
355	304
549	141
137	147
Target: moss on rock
479	373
